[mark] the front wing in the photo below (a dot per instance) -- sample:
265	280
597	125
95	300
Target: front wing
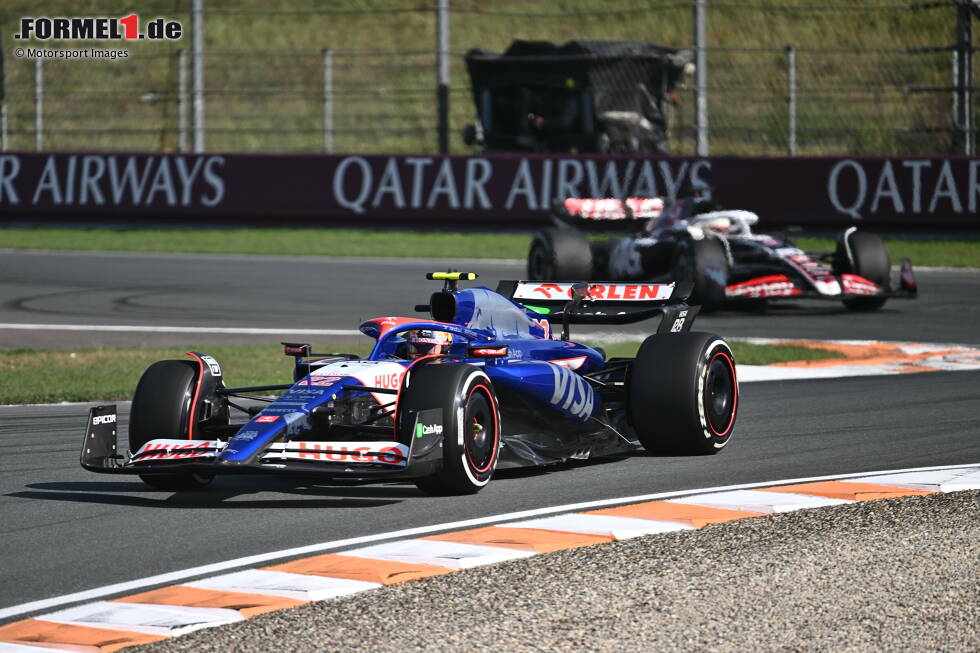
843	287
353	459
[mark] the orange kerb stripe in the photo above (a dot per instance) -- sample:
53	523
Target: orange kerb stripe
526	539
852	491
879	354
248	604
696	516
372	571
48	633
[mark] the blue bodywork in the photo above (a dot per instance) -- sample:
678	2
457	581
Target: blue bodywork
536	367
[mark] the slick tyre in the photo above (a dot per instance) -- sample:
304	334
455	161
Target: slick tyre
682	393
864	254
161	408
471	424
559	255
705	263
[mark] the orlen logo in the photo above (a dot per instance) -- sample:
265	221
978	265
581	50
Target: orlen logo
91	28
427	429
103	419
599	291
547	288
630	291
266	418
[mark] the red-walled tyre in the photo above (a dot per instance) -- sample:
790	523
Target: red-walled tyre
161	406
683	393
471	424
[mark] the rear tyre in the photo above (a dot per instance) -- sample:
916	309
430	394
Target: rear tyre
471	425
705	263
682	393
161	408
868	258
559	255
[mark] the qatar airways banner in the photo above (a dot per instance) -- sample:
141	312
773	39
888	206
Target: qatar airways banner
484	191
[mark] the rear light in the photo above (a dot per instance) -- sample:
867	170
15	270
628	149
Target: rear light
488	352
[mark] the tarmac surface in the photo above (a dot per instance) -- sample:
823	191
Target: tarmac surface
317	293
901	577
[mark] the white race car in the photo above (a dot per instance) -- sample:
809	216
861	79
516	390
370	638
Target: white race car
691	240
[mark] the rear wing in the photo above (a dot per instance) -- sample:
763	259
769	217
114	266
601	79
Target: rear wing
607	213
605	302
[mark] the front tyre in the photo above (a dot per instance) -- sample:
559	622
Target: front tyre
682	393
471	424
161	409
864	254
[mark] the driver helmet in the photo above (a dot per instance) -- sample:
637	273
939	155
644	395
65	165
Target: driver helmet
424	342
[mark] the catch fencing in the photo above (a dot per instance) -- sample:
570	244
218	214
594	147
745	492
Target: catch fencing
797	77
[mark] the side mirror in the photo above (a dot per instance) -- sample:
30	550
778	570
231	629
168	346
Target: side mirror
488	352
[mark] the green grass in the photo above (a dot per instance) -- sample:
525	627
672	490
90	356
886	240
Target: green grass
294	242
30	376
859	92
389	243
746	353
924	252
43	376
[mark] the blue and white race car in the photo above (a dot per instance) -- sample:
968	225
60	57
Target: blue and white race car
484	384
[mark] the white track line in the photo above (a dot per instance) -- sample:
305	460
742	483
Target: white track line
176	329
236	563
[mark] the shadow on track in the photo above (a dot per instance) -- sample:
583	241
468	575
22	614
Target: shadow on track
301	494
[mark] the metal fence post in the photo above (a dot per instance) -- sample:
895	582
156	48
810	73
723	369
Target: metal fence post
181	100
964	133
701	77
442	66
791	100
327	100
39	104
197	54
5	145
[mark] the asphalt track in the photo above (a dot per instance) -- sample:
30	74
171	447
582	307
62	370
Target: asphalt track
66	530
281	292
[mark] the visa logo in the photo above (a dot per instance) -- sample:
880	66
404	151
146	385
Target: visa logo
573	394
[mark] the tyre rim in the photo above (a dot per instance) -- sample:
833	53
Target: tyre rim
480	436
720	394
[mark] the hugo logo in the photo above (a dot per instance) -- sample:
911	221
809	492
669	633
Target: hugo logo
392	380
341	453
